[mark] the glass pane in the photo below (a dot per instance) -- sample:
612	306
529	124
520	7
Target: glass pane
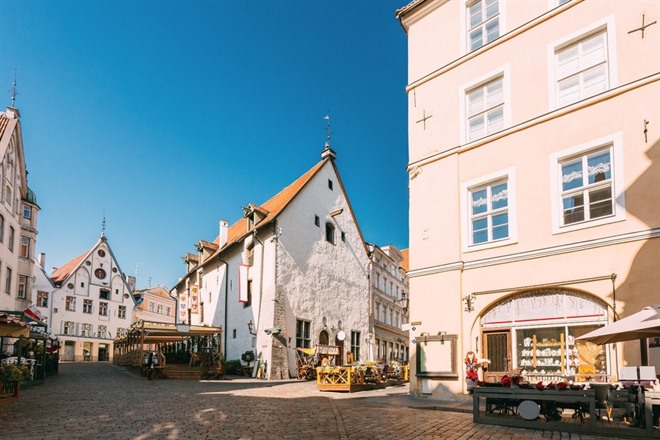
573	209
586	360
593	51
474	12
495	93
500	226
492	8
477	128
567	62
492	30
475	101
476	39
479	201
479	231
500	196
571	175
599	167
600	202
568	91
594	81
496	120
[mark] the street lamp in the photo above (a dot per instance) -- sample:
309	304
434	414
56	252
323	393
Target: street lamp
404	301
251	328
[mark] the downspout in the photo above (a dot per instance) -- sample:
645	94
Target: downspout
224	347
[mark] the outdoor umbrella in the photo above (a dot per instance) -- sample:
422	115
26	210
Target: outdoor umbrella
640	325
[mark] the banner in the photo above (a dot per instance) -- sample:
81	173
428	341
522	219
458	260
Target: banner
194	299
183	307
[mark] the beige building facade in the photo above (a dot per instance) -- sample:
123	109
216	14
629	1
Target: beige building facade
534	185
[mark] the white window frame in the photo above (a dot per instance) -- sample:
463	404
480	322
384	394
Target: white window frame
618	184
504	73
88	310
121	312
466	217
23	286
607	25
68	328
103	308
465	36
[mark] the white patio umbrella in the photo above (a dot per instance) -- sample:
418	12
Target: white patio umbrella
640	325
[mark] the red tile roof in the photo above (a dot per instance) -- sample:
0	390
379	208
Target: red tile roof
62	273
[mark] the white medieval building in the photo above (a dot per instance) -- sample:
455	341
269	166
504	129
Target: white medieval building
92	302
293	272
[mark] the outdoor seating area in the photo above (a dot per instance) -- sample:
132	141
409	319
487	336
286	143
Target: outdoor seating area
360	377
159	350
628	411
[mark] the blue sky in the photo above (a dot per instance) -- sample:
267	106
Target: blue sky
166	116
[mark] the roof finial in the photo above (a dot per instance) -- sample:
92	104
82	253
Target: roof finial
328	129
327	151
13	91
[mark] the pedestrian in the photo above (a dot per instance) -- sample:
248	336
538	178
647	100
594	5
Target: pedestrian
150	365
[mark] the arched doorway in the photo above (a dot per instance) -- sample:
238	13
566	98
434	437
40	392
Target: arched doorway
534	334
324	338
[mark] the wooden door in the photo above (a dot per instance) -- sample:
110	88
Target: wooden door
497	348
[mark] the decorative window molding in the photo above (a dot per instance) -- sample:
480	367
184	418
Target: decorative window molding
579	175
485	105
582	64
489	211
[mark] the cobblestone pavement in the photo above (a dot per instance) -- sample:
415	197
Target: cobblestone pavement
104	401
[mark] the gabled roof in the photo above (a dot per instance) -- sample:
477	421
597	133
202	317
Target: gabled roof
271	209
60	274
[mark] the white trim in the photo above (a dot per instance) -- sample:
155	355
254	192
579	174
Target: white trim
505	73
537	253
510	176
606	24
464	29
618	193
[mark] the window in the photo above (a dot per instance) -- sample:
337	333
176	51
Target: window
168	311
248	300
103	331
8	281
86	330
10	244
355	345
159	309
483	23
22	286
68	328
121	312
2	228
70	304
103	294
151	306
24	251
330	233
103	308
586	187
27	211
343	236
317	220
485	109
489	212
377	311
42	299
87	306
581	69
303	339
330	184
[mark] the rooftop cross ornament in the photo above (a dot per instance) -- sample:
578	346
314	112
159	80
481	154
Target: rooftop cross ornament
13	91
644	26
328	129
424	118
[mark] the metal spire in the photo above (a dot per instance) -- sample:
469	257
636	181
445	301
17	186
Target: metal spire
13	91
328	130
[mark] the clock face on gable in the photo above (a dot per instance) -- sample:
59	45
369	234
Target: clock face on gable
100	273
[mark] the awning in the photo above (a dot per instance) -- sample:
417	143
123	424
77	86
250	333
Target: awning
640	325
12	326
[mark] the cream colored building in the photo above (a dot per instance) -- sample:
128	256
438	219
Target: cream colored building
155	304
534	165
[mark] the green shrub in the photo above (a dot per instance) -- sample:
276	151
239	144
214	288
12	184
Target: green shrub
232	366
11	373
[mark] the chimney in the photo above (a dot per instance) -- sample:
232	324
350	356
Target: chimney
42	260
224	232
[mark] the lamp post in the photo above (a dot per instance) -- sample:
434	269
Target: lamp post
251	328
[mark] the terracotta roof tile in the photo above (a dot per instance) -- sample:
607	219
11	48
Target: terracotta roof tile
62	273
4	122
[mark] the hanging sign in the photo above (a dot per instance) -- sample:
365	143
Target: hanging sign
194	299
183	307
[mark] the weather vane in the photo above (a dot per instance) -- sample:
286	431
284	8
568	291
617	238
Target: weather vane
328	129
13	90
103	224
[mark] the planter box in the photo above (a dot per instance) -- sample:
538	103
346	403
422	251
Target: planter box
9	389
